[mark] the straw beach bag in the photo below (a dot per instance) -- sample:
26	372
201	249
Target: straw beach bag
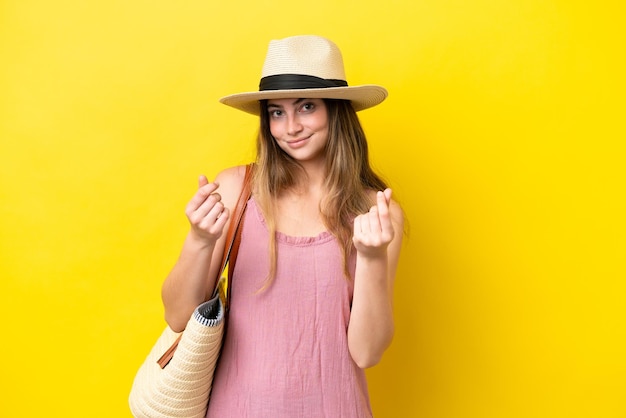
175	379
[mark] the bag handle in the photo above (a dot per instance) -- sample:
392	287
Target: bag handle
233	239
233	236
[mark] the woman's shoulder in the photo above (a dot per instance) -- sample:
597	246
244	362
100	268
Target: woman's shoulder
230	182
232	174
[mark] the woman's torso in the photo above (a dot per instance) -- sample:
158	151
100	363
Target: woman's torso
286	353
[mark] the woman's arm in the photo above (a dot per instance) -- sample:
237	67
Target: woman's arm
192	279
377	239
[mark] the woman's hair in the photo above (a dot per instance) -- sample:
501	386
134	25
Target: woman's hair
348	182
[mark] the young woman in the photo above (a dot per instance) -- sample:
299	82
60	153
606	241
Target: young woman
312	289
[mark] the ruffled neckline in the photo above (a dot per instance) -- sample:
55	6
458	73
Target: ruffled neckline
301	241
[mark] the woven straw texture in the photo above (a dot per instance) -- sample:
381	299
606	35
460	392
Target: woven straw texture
308	55
182	388
312	55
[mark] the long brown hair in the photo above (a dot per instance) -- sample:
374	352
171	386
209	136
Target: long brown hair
348	183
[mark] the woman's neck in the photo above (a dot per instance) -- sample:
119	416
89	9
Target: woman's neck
312	178
298	208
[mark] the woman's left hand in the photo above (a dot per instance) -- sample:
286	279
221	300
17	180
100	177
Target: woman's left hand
373	231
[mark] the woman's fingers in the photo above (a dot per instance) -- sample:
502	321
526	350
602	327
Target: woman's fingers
386	227
204	191
217	226
212	206
387	194
202	181
374	220
205	211
374	230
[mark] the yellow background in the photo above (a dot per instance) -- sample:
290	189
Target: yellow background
502	137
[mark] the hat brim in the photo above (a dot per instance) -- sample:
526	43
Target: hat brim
362	97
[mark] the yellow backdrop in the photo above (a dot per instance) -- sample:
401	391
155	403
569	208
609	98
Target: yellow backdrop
502	137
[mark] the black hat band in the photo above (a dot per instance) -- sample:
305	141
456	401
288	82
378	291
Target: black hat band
297	81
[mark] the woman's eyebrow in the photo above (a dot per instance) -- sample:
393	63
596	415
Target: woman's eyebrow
295	103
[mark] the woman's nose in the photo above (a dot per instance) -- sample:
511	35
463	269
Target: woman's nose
293	125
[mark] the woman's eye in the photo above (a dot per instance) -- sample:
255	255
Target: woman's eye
307	107
275	113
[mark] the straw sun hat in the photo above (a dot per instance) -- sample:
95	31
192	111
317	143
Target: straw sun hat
308	67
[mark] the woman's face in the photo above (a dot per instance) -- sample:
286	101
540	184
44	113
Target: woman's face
300	127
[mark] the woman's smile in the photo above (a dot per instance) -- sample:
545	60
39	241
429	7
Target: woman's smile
298	143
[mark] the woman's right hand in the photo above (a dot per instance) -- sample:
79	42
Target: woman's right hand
206	213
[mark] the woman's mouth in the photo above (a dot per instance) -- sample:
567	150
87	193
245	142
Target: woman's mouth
297	143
